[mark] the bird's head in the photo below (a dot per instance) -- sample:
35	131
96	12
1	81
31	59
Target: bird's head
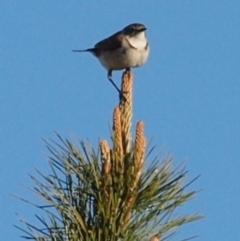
136	35
134	29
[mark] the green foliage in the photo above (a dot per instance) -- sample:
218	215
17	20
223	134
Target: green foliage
77	207
117	194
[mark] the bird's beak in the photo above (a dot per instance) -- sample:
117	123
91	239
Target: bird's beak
142	29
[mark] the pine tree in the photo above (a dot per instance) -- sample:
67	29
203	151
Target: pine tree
113	194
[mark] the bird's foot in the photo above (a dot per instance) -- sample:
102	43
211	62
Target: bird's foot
122	96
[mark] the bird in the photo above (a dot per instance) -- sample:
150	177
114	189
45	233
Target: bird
125	49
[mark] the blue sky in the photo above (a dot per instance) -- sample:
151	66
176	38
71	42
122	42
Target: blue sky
187	94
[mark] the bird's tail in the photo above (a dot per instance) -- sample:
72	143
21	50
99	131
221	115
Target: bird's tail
85	50
93	51
80	50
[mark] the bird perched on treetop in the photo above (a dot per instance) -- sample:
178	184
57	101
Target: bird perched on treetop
125	49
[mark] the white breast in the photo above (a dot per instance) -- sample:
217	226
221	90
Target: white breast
138	41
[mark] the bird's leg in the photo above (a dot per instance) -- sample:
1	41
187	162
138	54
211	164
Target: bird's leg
121	96
111	80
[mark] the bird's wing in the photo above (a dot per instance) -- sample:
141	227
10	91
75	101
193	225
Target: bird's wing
111	43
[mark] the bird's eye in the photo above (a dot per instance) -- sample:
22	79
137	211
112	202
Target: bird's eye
132	30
